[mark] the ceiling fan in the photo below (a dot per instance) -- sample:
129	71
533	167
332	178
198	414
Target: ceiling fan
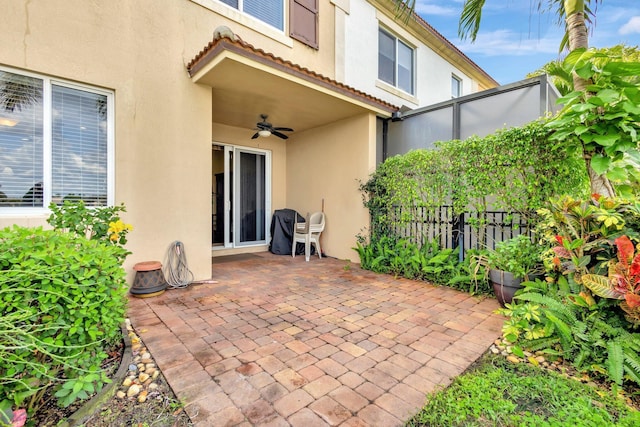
266	129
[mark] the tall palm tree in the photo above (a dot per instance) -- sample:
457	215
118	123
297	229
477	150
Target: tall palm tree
574	13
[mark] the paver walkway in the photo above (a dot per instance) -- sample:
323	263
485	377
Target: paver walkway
282	342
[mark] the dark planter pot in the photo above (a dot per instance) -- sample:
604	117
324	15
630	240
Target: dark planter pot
504	284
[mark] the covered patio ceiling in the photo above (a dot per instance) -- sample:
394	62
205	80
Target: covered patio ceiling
247	82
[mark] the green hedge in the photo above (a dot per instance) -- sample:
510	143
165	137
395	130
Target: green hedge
62	301
516	170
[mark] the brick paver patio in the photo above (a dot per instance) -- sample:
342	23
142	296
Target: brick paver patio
282	342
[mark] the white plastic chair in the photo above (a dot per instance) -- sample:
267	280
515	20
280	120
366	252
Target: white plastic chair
308	232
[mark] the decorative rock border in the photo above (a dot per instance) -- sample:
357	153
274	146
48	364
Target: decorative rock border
133	380
505	348
141	373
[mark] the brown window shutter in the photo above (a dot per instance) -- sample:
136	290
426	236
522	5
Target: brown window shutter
303	21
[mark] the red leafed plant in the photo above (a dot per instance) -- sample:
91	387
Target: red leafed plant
623	281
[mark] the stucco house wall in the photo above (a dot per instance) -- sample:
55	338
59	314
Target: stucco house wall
326	165
164	127
166	119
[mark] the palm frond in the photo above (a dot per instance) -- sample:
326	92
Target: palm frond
18	91
470	18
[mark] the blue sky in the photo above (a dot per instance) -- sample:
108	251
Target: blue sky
515	39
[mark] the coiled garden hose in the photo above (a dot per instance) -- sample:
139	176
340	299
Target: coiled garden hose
176	269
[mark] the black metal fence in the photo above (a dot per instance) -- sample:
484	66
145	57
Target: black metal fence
470	230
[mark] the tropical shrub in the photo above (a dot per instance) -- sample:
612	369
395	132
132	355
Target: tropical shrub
601	123
622	282
518	255
62	301
577	314
586	333
583	232
94	223
429	262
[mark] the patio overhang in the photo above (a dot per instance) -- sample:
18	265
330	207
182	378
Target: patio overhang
247	82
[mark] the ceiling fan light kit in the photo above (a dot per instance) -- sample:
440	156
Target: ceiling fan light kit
266	129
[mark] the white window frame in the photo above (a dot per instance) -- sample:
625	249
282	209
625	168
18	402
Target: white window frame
249	21
398	41
47	143
241	10
459	80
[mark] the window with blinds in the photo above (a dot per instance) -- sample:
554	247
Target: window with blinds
54	142
395	62
269	11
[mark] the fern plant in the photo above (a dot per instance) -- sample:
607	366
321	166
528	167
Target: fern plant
593	340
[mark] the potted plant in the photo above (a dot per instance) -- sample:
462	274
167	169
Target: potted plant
511	262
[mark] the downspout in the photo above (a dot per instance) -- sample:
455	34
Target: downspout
385	137
395	117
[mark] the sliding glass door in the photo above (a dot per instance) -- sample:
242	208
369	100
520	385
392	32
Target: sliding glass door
241	188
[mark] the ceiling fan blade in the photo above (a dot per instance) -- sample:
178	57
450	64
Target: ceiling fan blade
255	135
284	129
278	134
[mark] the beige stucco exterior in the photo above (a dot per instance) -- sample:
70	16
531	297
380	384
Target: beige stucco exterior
166	122
167	115
328	164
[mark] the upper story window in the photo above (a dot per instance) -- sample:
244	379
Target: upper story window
456	86
56	143
395	62
269	11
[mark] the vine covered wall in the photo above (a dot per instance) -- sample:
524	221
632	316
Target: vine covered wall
514	170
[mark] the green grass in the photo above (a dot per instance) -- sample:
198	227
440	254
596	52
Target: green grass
499	393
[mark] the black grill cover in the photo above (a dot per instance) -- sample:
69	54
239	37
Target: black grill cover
282	225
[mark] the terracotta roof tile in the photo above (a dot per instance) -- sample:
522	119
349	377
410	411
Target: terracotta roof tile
232	42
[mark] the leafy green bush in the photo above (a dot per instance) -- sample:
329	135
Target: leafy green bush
62	301
583	232
95	223
516	170
576	316
427	262
518	255
601	122
590	335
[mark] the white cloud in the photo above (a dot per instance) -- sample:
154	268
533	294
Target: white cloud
632	26
508	43
426	9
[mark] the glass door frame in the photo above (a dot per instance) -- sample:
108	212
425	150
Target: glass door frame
231	212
